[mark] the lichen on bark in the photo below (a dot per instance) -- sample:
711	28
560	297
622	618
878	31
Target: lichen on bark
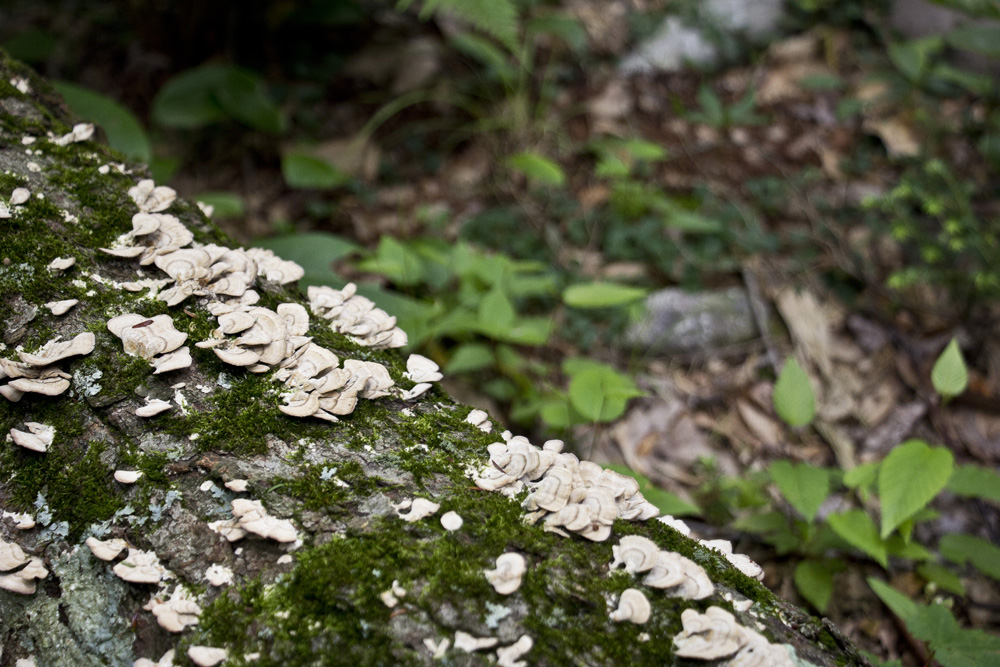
337	482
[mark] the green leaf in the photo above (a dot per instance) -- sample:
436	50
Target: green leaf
225	204
497	62
396	261
793	395
690	222
814	581
212	93
600	393
862	476
950	375
942	577
857	529
497	18
528	331
496	312
711	106
601	295
899	603
974	481
315	252
668	503
564	27
982	38
123	129
470	357
310	173
962	549
804	486
912	58
537	168
909	478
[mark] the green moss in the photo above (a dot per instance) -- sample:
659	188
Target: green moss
327	495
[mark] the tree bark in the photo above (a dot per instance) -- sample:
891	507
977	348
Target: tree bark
316	601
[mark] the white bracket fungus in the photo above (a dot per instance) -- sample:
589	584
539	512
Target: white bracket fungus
153	407
150	198
664	569
61	263
676	524
451	521
506	577
741	562
480	420
80	132
150	337
716	634
219	575
53	351
229	529
237	485
632	606
11	556
390	597
21	520
508	655
636	553
166	660
23	581
141	567
468	643
421	369
38	438
253	518
175	613
58	308
106	549
127	476
207	656
357	317
437	648
419	508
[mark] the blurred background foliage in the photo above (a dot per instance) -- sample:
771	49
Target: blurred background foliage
494	174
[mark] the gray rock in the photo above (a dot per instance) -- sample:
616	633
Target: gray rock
679	322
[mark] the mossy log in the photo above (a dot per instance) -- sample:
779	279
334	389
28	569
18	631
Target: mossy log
313	602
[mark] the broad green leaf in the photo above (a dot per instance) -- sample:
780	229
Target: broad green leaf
470	357
642	149
804	486
188	100
793	395
600	393
310	173
611	166
497	18
396	261
814	581
555	411
243	95
528	331
711	106
962	549
861	476
537	168
912	58
974	481
899	603
601	295
909	478
857	529
950	375
496	312
942	577
225	204
315	252
982	38
668	503
123	129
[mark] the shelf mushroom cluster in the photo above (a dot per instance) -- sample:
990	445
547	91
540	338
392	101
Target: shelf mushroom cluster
154	339
37	438
677	575
18	570
574	495
36	373
250	516
351	314
715	635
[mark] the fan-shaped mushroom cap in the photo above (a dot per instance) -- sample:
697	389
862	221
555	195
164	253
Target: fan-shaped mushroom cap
22	520
150	198
219	575
166	660
480	419
52	351
23	581
11	556
419	508
19	196
369	379
61	307
301	404
314	360
141	567
421	369
153	407
228	528
145	223
51	385
508	655
175	613
451	521
237	356
468	643
741	562
185	264
696	584
106	549
127	476
552	492
415	392
602	505
620	486
237	485
235	321
255	519
126	252
146	337
554	446
636	553
573	517
38	438
274	268
207	656
506	577
632	606
709	636
668	571
61	263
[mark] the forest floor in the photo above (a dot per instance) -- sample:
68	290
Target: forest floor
780	174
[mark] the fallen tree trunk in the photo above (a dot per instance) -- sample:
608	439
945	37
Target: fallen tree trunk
261	527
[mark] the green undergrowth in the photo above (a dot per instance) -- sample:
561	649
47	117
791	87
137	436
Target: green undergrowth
328	611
